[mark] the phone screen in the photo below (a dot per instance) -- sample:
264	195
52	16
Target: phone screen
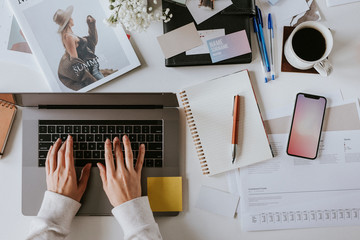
306	125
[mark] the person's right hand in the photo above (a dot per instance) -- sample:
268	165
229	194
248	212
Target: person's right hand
121	182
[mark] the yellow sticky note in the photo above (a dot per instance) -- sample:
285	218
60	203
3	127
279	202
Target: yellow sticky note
165	193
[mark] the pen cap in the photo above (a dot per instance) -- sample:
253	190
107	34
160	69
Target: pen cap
270	24
259	16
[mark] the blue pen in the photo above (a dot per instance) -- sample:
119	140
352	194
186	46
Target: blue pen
256	30
262	39
272	35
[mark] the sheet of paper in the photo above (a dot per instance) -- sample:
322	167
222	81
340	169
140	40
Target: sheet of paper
206	35
233	178
216	201
200	14
165	193
331	3
228	46
284	10
179	40
13	46
313	14
287	192
338	117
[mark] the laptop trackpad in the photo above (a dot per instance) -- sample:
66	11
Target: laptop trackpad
94	201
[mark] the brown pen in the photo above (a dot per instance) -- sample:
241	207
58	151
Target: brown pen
235	130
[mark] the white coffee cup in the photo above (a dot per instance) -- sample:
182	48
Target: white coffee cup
322	65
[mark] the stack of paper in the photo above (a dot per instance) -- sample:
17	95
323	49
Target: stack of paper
288	192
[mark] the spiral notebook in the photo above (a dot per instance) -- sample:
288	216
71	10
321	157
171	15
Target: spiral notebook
7	116
208	108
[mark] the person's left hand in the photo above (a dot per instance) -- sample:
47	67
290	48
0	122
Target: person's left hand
60	171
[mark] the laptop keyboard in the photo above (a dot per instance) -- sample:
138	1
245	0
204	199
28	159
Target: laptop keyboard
89	137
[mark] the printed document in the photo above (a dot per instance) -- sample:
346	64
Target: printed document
288	192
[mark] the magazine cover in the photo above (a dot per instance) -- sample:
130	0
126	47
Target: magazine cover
13	45
75	48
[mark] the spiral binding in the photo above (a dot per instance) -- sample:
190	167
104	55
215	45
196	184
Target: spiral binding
195	135
6	104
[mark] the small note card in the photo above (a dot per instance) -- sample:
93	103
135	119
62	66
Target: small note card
165	194
179	40
216	201
228	46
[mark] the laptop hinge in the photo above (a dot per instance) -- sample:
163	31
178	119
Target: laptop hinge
101	107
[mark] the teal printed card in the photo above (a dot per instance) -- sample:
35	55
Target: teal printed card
228	46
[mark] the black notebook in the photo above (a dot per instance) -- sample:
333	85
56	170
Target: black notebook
233	19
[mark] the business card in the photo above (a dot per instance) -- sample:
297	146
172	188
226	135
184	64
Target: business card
179	40
228	46
206	35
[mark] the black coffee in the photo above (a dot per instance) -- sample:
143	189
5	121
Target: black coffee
309	44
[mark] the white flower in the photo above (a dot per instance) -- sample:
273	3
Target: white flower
133	15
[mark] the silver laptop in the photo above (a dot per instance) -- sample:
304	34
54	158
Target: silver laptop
152	119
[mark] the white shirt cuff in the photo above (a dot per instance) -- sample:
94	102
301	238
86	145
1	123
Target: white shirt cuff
58	209
134	215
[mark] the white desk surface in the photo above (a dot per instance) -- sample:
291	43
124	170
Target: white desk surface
153	76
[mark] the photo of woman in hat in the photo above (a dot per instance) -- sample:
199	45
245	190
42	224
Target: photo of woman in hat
207	3
79	65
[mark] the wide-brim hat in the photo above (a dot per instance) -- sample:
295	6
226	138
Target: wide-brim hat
62	17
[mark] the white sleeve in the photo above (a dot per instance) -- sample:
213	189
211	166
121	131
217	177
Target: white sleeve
137	220
54	218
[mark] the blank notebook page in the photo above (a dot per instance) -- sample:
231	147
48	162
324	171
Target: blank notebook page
211	104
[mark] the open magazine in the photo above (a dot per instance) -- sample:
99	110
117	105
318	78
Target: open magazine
74	47
13	45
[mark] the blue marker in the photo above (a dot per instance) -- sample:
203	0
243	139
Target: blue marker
256	30
271	37
262	39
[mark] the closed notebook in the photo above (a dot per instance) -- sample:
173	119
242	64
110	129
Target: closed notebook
208	108
7	116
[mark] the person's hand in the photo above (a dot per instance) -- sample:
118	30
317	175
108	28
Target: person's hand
90	19
121	182
60	171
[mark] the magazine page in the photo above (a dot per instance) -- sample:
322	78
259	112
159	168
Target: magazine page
75	48
13	46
